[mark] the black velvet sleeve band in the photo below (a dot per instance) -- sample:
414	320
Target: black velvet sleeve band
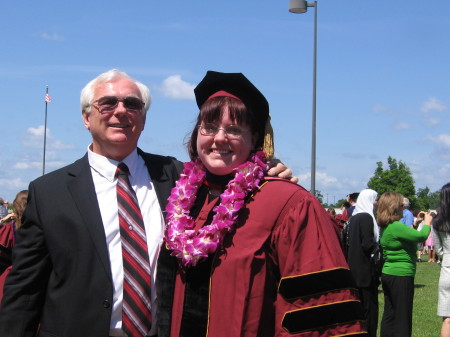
321	316
327	280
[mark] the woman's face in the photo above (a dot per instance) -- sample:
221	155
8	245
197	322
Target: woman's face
223	152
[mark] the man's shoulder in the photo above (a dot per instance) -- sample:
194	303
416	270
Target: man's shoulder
274	187
159	158
157	163
71	169
281	185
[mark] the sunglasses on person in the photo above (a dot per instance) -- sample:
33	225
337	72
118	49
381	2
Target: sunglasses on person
231	131
108	104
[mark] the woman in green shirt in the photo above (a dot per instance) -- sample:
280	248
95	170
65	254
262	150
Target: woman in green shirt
399	243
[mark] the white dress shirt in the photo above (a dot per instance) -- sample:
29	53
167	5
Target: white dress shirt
103	171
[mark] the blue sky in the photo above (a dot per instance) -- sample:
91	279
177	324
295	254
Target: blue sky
383	75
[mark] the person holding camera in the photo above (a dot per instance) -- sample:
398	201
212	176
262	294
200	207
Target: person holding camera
399	243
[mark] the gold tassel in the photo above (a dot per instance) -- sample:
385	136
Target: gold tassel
268	146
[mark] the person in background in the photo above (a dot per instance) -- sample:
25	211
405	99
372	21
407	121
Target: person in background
352	200
331	211
407	216
362	241
429	243
247	255
437	257
3	208
441	234
343	217
418	225
399	243
74	252
8	236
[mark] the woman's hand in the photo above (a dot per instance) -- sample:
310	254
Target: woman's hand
7	218
428	219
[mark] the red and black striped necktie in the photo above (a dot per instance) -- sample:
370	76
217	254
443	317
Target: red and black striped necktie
136	313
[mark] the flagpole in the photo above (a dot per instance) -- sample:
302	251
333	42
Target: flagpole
45	130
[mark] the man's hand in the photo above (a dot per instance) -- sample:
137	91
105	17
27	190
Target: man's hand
278	169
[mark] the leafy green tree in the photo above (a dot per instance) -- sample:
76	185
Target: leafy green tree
435	198
423	198
427	199
339	203
397	178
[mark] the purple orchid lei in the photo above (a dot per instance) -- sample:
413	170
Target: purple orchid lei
188	245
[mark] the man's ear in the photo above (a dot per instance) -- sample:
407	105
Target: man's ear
86	121
144	120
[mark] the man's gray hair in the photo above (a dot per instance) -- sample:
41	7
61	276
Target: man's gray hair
405	202
87	93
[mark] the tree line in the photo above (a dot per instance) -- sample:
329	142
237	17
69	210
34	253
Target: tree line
397	177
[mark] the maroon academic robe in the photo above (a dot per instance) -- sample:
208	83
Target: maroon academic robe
6	245
281	273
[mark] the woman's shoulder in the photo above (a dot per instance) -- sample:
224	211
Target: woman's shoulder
361	218
7	234
397	224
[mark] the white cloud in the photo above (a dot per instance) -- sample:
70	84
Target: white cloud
24	165
432	121
39	131
432	105
58	145
402	126
442	140
379	109
444	170
31	165
12	184
34	138
174	87
52	36
323	180
429	108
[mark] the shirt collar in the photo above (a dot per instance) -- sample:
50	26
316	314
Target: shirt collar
106	167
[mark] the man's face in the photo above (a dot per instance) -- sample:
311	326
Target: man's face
115	134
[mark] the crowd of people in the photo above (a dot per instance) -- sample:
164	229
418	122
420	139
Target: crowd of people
124	243
382	241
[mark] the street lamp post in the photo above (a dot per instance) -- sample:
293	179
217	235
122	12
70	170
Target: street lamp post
301	6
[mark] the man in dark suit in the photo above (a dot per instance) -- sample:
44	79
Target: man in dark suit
67	269
67	275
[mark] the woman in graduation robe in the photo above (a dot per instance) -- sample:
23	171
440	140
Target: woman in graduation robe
247	255
12	223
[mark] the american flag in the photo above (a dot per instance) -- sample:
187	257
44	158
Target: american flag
47	98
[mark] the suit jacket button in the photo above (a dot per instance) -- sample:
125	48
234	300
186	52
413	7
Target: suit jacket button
106	304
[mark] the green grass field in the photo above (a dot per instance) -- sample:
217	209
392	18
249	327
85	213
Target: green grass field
426	323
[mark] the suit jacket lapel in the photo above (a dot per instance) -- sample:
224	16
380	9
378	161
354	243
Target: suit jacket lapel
81	186
163	173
